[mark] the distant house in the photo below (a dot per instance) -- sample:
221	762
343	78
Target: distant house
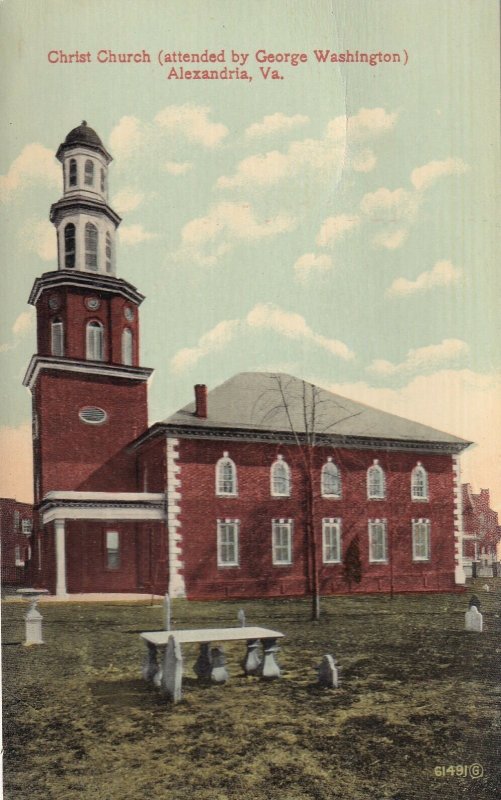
16	520
481	534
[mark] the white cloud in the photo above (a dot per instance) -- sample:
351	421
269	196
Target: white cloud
134	234
206	239
365	161
16	473
215	339
35	164
391	238
193	123
443	274
386	206
462	402
293	326
311	262
24	323
177	167
275	123
127	200
335	228
418	359
127	137
424	177
366	123
321	156
39	236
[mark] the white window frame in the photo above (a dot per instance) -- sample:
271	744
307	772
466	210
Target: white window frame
222	481
94	340
277	466
57	338
419	483
91	239
418	527
330	467
228	539
281	527
26	527
376	526
89	171
127	346
378	493
112	549
331	540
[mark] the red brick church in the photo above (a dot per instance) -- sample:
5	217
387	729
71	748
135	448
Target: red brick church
258	488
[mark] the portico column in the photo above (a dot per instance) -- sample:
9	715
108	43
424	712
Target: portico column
60	558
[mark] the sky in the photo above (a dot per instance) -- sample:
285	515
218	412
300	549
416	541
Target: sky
333	220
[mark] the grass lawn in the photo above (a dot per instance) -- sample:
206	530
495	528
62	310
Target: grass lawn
416	693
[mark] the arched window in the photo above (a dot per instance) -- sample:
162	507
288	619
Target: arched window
69	246
127	346
331	480
57	337
226	476
73	172
109	253
89	173
95	341
91	242
376	489
419	483
280	478
103	181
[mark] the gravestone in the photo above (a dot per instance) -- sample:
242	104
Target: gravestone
486	587
172	673
203	664
473	620
327	672
219	673
241	617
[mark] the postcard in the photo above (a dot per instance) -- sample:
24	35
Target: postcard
250	417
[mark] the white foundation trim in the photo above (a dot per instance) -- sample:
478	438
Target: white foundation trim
60	558
176	580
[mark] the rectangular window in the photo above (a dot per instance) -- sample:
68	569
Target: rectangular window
227	543
112	549
16	520
331	534
282	541
420	539
17	555
26	526
39	552
377	541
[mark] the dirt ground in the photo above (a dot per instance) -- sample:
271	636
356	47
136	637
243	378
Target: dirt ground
418	696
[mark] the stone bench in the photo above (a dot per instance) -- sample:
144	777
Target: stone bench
169	674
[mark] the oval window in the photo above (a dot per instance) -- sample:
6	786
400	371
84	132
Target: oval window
93	415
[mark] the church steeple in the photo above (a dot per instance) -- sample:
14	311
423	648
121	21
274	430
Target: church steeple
85	377
86	225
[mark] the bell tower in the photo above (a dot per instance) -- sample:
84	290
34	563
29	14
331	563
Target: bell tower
89	391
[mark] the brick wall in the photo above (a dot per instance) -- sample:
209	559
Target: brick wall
255	508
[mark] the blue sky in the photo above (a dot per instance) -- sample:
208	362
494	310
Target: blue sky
339	223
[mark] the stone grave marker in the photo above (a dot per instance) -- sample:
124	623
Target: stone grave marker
473	620
327	672
172	673
219	673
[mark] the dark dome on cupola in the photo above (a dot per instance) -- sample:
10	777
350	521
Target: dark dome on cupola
84	136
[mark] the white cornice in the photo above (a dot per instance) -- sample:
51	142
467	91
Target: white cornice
101	369
102	505
84	280
102	512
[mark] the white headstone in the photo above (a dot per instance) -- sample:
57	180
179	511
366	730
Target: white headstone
473	620
172	673
327	672
241	617
486	587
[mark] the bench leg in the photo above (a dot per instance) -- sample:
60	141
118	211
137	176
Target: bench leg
150	664
203	665
270	668
172	674
252	659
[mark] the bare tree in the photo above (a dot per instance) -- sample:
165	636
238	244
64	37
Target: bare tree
306	409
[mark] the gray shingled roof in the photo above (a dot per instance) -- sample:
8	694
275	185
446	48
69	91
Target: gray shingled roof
253	401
